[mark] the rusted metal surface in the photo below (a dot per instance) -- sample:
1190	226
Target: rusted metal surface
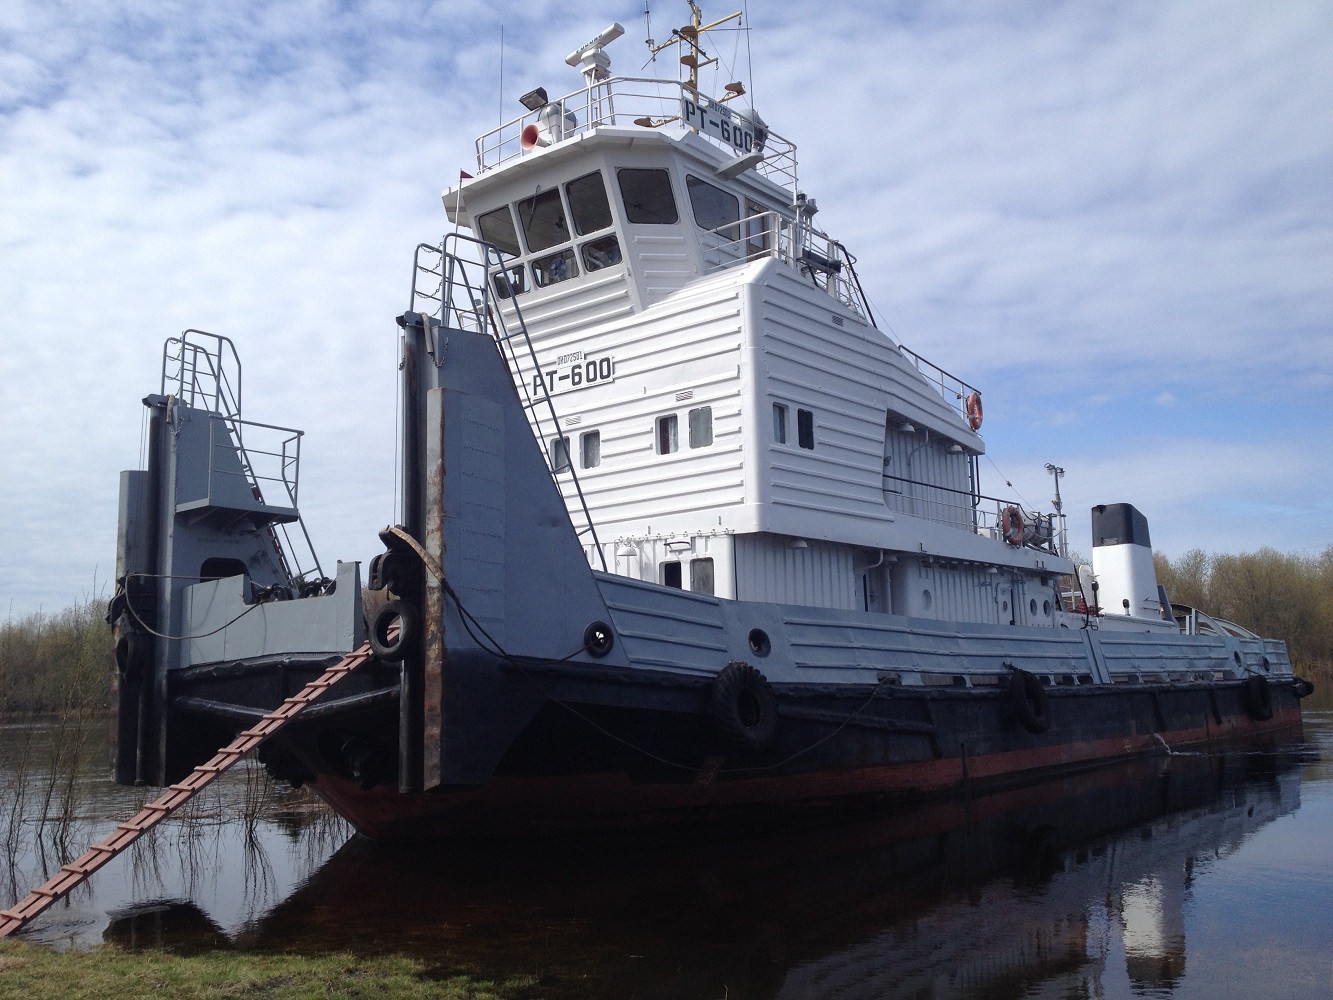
432	686
76	872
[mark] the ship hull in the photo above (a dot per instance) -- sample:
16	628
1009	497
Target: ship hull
599	756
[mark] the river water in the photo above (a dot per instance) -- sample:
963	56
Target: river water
1184	875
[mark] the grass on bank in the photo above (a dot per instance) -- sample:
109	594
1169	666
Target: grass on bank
108	972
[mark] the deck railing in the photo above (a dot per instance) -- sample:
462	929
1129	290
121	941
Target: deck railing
644	103
797	243
954	390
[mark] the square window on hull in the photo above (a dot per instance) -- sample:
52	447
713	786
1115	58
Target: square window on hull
701	427
668	439
590	449
805	428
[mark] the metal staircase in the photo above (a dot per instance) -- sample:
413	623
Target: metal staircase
203	371
460	294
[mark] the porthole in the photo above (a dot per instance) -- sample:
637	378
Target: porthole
927	599
759	642
1032	607
1046	608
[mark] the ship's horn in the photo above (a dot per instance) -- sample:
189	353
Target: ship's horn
531	137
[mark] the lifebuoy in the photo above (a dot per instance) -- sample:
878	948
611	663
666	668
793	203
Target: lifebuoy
744	706
974	414
1028	696
402	645
1258	698
1011	525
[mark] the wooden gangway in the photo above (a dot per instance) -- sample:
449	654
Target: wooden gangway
76	872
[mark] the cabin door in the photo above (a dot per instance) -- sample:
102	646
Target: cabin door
1004	601
875	590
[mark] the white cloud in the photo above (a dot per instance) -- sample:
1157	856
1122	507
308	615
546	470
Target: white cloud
1083	208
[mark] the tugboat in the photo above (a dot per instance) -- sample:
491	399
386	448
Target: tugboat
684	538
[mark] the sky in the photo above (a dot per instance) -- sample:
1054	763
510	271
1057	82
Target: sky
1114	218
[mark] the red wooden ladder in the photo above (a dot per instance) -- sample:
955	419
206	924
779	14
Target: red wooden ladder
176	796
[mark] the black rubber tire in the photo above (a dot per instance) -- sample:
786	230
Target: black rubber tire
409	631
1028	696
134	653
1258	698
744	706
1302	687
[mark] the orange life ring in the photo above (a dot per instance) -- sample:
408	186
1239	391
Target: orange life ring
974	410
1011	525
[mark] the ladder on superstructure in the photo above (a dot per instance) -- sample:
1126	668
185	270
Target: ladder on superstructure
201	375
444	287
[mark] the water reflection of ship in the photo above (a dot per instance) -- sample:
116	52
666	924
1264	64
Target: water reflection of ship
988	896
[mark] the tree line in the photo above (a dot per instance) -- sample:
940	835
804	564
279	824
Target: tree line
58	662
1271	593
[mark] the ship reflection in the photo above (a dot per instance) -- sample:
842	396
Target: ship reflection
1053	888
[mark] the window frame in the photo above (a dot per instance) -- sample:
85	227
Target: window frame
593	437
630	209
805	429
671	443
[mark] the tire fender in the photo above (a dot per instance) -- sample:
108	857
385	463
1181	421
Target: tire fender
402	645
1027	694
744	706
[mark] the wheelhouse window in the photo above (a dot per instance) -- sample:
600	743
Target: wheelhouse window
780	423
601	252
667	438
543	220
756	225
554	269
590	449
647	196
498	227
510	282
701	427
805	428
714	209
588	204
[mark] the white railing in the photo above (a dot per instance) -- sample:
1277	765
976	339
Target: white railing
770	234
639	102
954	390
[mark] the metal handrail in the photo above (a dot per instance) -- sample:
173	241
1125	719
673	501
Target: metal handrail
625	101
467	304
797	243
952	388
203	370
